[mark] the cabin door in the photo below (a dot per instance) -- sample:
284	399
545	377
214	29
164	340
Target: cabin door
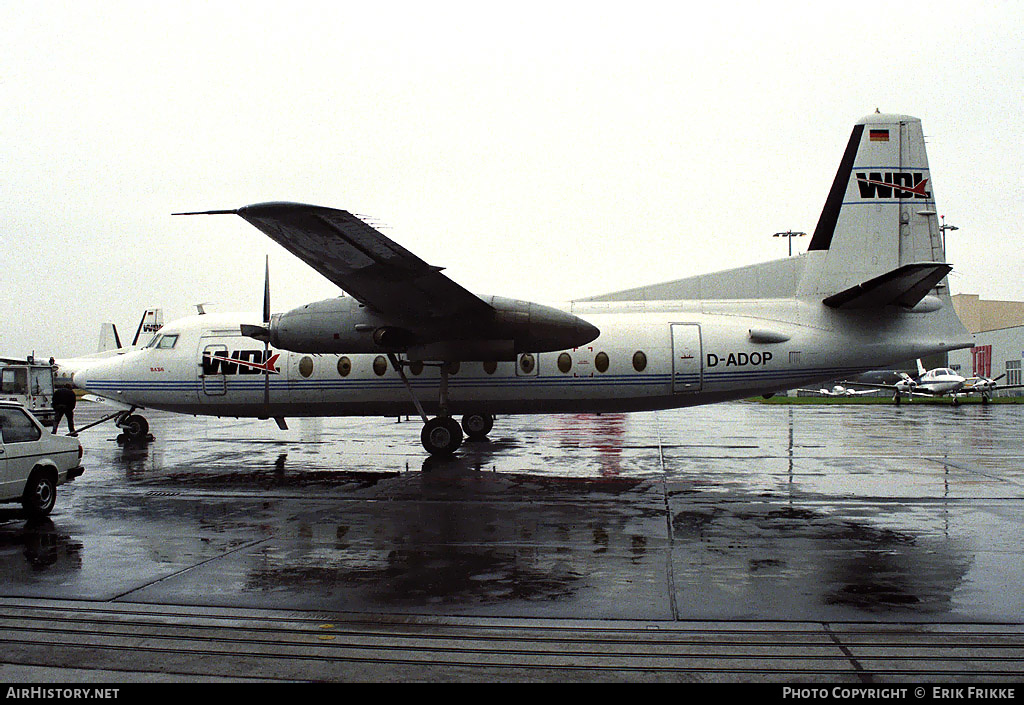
687	358
211	370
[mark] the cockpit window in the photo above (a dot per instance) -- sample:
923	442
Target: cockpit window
166	342
163	341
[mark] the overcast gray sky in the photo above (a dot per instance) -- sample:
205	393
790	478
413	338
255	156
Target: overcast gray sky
538	150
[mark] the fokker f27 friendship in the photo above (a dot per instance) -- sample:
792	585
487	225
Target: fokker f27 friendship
870	291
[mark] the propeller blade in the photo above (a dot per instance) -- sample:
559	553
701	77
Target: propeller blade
261	333
266	340
266	293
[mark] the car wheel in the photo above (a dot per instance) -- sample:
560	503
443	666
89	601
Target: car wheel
40	494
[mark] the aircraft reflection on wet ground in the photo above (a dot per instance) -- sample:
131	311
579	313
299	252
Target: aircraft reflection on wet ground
741	511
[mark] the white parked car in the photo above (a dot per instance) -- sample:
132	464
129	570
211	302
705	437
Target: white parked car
33	461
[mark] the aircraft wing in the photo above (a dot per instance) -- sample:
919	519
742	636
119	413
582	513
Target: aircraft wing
872	386
376	271
999	388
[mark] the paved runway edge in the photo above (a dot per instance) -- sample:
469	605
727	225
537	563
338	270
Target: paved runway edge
82	641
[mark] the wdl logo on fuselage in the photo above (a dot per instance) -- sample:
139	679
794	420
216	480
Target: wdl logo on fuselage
240	362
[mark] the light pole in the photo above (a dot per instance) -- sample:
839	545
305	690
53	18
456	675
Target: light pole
789	235
943	228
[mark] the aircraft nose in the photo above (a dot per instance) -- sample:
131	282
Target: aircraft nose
94	377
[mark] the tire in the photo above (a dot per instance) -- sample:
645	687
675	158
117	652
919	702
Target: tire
477	426
135	427
40	494
441	436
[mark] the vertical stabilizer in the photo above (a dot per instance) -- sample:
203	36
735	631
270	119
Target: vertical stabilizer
109	339
152	321
880	214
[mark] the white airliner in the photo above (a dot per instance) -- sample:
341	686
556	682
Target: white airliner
871	291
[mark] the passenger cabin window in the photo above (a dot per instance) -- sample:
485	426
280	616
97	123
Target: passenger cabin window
16	427
564	363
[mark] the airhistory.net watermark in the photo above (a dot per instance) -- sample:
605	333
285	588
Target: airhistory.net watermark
49	693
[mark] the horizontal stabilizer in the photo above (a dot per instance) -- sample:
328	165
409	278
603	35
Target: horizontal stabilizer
905	286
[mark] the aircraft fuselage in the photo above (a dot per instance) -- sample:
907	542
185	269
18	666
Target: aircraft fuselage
649	355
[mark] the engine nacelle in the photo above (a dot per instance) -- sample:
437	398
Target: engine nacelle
343	325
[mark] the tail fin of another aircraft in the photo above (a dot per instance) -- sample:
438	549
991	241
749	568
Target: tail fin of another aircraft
152	321
109	339
879	230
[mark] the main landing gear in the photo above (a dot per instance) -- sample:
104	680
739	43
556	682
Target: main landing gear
442	435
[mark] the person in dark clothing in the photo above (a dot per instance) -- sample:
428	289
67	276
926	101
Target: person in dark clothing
64	406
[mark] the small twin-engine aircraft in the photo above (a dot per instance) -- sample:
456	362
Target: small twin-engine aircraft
986	386
928	383
838	390
871	291
941	381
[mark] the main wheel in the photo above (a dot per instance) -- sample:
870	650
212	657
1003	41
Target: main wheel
40	494
477	426
441	435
